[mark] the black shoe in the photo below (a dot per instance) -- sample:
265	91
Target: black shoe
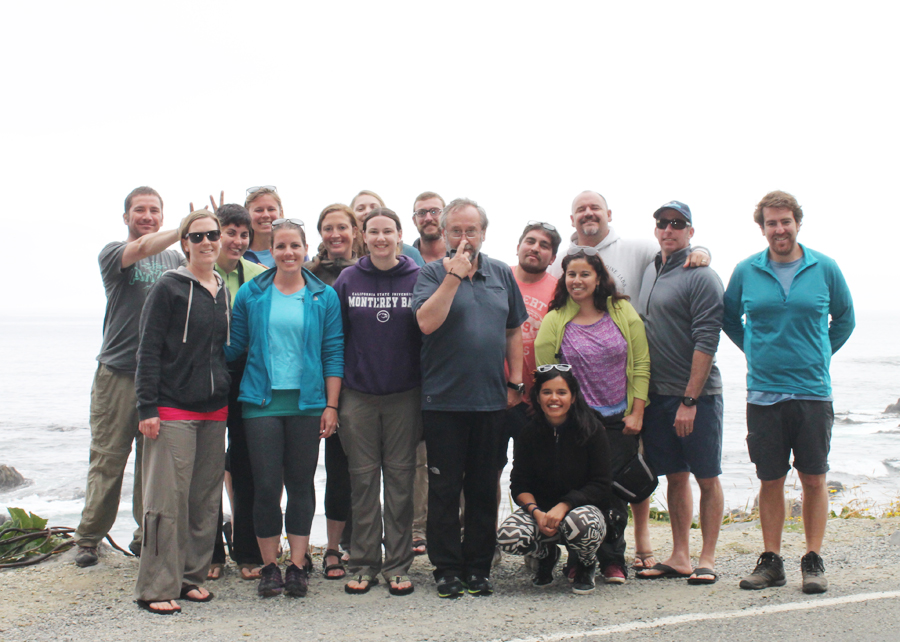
544	575
769	571
270	583
813	570
86	556
450	587
296	581
479	585
584	578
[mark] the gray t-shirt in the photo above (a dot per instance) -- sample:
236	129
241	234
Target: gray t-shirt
462	361
125	293
785	272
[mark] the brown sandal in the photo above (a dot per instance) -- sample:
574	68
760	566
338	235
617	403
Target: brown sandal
643	561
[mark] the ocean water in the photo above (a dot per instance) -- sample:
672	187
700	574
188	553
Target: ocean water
49	362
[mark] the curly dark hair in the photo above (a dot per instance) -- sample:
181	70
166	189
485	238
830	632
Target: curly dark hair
606	287
583	419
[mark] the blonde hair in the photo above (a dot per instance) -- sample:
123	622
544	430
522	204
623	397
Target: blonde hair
358	247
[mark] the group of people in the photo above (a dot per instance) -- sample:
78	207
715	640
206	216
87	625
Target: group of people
418	363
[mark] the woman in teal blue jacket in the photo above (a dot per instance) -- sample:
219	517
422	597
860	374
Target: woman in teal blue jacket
290	323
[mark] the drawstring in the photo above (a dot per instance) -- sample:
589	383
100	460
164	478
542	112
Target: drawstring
188	315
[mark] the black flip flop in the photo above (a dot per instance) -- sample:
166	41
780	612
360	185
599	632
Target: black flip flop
702	570
399	579
145	604
370	582
187	588
665	571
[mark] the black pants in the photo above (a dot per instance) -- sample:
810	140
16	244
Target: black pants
245	549
337	487
622	448
462	456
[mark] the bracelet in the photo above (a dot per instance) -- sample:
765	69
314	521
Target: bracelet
456	275
529	504
332	407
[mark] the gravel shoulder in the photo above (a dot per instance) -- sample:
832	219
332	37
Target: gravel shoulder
56	600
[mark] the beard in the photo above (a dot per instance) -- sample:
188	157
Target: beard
430	236
532	269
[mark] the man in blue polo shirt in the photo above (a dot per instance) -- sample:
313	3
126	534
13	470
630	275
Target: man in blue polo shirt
471	312
785	296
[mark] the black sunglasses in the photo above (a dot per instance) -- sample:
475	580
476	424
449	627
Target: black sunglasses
197	237
676	223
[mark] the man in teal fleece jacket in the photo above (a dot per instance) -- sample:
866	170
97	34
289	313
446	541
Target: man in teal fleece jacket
785	296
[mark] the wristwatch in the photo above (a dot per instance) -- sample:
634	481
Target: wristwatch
689	401
518	387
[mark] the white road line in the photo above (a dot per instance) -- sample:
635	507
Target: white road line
722	615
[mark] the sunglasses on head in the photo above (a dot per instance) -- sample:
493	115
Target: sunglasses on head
589	251
546	226
197	237
282	221
561	367
676	223
252	190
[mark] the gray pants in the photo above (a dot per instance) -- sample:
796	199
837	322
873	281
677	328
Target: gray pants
380	433
183	471
114	425
420	492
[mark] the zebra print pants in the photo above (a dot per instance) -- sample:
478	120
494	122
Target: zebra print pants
581	531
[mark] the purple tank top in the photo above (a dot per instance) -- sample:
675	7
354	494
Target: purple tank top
598	354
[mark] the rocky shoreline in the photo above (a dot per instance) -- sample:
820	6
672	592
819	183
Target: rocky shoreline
57	601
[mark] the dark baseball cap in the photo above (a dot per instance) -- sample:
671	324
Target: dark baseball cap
679	207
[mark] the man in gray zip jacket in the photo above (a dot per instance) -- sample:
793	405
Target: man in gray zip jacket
682	432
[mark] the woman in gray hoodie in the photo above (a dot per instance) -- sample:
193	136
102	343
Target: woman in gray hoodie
182	387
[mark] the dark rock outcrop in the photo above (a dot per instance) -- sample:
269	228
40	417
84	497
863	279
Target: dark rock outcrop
10	478
894	407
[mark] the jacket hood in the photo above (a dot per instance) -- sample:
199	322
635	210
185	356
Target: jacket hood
405	267
611	237
186	276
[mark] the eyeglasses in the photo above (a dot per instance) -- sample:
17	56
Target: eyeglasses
546	226
282	221
434	211
253	190
561	367
577	249
469	234
676	223
197	237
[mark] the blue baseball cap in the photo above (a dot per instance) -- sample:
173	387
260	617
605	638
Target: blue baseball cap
679	207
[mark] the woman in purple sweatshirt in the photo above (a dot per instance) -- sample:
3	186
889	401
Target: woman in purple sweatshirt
380	406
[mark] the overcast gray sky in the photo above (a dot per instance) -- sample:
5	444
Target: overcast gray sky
519	105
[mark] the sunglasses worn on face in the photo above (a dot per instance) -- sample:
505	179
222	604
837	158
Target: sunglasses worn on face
271	188
434	211
561	367
197	237
282	221
676	223
546	226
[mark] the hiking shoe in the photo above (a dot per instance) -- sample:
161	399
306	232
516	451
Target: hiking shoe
479	585
270	583
769	571
86	556
544	575
813	570
614	574
583	582
450	587
296	581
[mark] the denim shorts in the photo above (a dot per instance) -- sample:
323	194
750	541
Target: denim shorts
699	453
798	425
